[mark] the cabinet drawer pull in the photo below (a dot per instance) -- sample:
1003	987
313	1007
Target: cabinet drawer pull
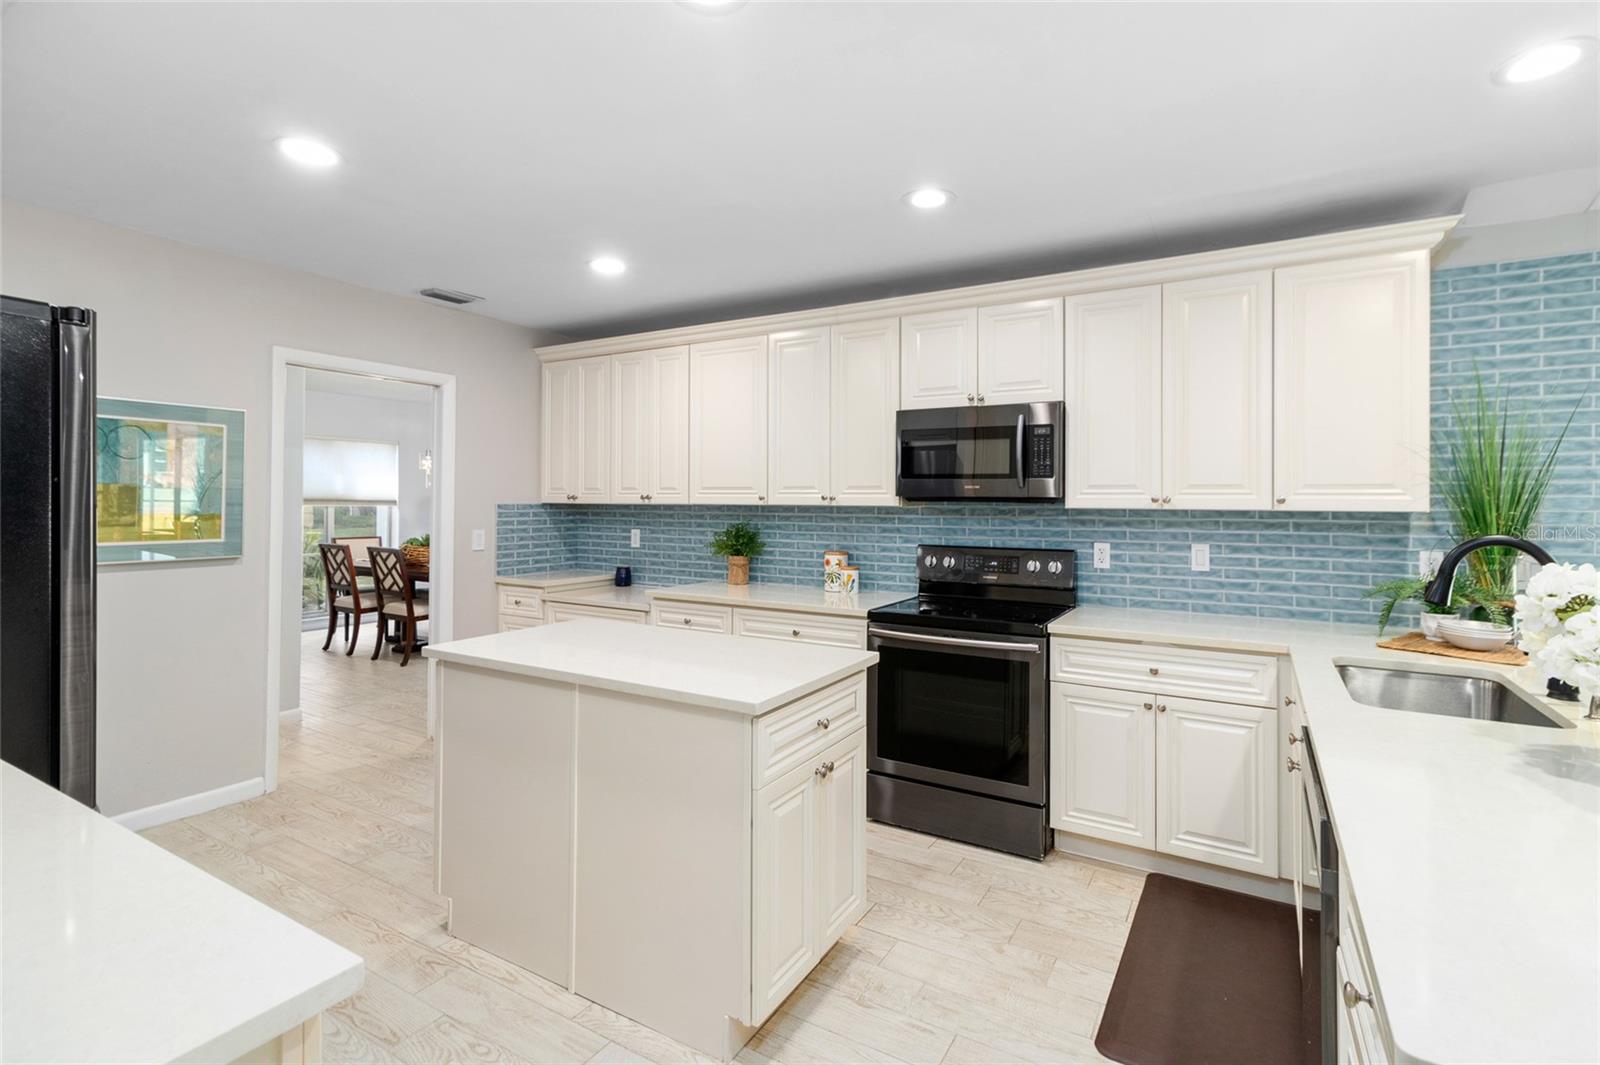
1161	708
1281	500
1149	706
516	602
1294	738
687	621
1156	500
971	398
1154	672
1294	766
794	632
824	769
1353	998
1288	700
1165	500
824	722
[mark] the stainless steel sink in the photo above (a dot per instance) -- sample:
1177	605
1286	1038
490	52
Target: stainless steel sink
1442	693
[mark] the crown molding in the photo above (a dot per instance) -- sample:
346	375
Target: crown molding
1421	235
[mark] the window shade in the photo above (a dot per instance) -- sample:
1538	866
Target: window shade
350	471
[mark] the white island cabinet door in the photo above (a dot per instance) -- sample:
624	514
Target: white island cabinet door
558	431
1113	382
1217	783
728	421
1350	383
1216	393
594	430
1102	763
669	437
841	838
865	380
632	427
939	359
1019	352
797	413
784	934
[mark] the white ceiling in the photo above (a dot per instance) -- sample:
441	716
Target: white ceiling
753	161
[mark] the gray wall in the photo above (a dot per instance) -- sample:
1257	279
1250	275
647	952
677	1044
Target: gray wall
182	645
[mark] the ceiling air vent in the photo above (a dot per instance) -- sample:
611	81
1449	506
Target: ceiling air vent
450	295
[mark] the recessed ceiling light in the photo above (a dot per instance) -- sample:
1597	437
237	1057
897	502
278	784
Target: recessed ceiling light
308	152
608	265
1542	61
929	198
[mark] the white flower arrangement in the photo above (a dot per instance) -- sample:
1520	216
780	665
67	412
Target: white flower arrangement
1558	617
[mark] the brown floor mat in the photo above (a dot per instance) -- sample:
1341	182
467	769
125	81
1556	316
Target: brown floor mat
1211	976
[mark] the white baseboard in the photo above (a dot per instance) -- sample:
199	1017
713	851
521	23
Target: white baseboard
189	805
289	717
1182	868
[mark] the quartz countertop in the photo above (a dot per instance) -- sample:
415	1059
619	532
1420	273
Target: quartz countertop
552	580
1472	847
633	597
114	950
741	674
805	598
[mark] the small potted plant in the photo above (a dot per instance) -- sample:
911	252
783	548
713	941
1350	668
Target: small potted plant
739	543
1410	589
416	550
1558	618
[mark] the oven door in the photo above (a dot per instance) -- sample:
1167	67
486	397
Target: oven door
1009	451
959	709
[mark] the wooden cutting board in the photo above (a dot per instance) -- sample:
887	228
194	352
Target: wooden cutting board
1415	641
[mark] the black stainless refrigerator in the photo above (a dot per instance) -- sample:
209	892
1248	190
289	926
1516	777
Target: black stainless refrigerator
47	543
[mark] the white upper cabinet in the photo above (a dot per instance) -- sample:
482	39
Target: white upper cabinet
798	372
1019	352
1218	783
1113	391
1350	352
939	359
728	421
575	431
650	426
558	431
865	380
1216	393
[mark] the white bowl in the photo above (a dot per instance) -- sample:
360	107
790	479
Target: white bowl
1474	635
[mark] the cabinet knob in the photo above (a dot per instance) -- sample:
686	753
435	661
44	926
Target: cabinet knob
1156	500
1294	766
824	722
824	769
833	499
980	397
643	497
824	497
1288	700
516	602
1149	706
794	632
1161	708
1353	998
1281	500
1165	500
686	621
649	497
1154	672
761	499
1294	738
971	398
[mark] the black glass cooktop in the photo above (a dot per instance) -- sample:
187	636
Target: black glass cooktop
970	613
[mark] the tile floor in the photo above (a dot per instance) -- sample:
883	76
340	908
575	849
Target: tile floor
964	956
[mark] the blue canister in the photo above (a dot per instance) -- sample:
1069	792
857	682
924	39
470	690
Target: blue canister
624	576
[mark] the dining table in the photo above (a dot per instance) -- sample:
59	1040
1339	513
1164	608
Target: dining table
416	574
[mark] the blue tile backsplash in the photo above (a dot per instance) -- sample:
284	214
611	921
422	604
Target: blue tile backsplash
1530	325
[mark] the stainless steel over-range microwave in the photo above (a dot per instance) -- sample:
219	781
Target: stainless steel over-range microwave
1012	451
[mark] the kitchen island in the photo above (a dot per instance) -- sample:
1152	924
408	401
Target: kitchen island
668	823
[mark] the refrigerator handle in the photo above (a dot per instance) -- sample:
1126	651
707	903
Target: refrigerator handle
75	486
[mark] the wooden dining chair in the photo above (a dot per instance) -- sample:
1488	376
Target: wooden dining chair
345	596
397	598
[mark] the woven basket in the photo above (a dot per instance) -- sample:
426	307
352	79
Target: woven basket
415	555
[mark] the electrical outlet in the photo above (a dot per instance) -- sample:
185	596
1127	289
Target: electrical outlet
1102	556
1428	562
477	539
633	538
1200	557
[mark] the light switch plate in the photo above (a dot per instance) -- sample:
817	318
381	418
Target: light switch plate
1102	556
1200	557
633	538
477	539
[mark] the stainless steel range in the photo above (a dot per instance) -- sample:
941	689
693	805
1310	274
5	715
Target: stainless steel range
958	725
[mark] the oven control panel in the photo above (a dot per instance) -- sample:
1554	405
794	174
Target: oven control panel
1004	566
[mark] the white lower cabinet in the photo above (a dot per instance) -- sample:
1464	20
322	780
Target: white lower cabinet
809	875
1186	777
1102	769
1217	784
692	616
